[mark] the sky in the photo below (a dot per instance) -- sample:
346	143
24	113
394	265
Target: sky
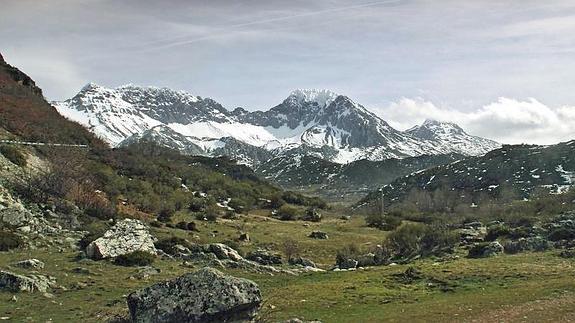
504	70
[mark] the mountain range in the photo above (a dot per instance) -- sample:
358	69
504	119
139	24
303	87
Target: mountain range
317	123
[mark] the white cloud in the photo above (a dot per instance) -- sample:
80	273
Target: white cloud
505	120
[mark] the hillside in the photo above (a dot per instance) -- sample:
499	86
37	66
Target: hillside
518	171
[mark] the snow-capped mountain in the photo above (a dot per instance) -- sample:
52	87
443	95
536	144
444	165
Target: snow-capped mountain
320	123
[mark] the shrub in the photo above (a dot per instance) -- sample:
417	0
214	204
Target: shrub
212	213
412	240
287	213
136	258
95	230
165	215
496	231
14	155
9	240
382	222
290	248
197	204
276	201
230	215
561	233
350	251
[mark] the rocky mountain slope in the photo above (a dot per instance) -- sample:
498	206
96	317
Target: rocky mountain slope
315	122
518	170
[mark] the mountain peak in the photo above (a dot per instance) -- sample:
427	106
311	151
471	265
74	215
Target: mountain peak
321	97
90	86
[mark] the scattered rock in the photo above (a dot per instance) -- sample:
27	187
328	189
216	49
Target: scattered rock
265	257
472	232
125	237
146	272
299	261
19	283
485	249
312	215
223	251
204	296
30	264
347	264
318	235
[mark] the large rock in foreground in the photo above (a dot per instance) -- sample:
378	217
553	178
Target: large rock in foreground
125	237
17	283
204	296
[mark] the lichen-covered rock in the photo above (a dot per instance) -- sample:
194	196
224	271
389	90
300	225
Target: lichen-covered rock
19	283
347	264
125	237
204	296
300	261
265	257
223	251
30	264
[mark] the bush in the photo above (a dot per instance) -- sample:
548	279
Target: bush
212	213
411	240
276	202
382	222
190	226
9	240
197	204
95	230
312	215
165	215
350	251
561	233
230	215
496	231
290	248
136	258
14	155
287	213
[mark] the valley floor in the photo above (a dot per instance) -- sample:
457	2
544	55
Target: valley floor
531	287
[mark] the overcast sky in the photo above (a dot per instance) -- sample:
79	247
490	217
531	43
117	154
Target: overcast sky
501	69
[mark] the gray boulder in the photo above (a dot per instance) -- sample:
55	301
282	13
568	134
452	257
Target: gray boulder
223	251
347	264
18	283
300	261
30	264
265	257
318	235
125	237
204	296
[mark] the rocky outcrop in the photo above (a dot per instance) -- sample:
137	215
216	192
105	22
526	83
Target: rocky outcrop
30	264
125	237
300	261
265	257
18	283
204	296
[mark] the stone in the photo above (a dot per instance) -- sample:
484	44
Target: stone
146	272
318	235
223	251
19	283
366	260
299	261
265	257
124	237
204	296
30	264
311	215
347	264
486	249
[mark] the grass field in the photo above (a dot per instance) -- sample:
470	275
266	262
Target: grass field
525	287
